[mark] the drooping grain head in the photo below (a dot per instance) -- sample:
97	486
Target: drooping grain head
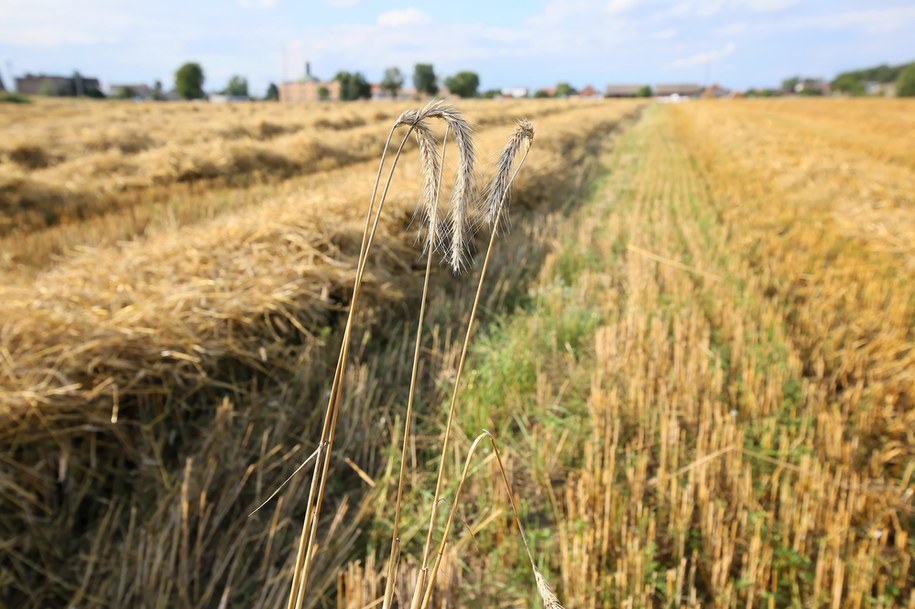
462	194
430	232
543	587
496	206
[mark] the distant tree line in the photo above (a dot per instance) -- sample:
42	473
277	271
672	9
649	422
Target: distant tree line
855	82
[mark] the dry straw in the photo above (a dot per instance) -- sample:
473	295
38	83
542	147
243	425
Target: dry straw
498	190
415	120
546	594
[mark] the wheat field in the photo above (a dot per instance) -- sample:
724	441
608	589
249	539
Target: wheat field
695	351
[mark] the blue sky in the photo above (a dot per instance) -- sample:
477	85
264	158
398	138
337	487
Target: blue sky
739	43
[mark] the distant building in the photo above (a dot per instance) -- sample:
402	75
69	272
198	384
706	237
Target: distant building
135	91
589	92
309	89
515	92
813	86
622	90
222	98
41	84
680	90
404	93
886	89
716	91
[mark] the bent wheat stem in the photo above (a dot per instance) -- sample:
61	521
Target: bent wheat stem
312	510
395	539
503	181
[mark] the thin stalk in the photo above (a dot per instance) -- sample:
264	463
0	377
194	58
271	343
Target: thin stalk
541	582
427	594
457	384
395	539
312	510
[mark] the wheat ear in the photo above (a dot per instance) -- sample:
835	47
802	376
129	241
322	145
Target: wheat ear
504	185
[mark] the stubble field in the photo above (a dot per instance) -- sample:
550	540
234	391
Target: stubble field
695	348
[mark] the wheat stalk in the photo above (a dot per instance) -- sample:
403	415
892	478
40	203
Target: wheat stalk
416	122
430	205
501	184
543	588
305	552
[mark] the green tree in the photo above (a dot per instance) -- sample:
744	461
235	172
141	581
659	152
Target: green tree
645	91
157	91
491	94
237	87
564	89
189	81
463	84
424	79
392	81
905	83
847	83
124	93
789	84
353	85
273	93
541	93
323	93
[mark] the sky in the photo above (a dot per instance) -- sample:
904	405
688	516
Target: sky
738	43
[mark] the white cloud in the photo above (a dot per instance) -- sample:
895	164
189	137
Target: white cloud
872	21
732	29
765	6
705	57
401	18
664	34
617	7
257	3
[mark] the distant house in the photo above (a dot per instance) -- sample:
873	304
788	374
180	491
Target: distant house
622	90
515	92
42	84
588	92
404	93
679	90
886	89
309	89
222	98
812	86
134	91
715	91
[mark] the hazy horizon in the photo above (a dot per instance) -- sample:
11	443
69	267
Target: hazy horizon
738	43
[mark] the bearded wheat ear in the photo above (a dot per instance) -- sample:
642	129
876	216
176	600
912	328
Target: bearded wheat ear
546	593
307	547
463	192
504	179
429	224
497	193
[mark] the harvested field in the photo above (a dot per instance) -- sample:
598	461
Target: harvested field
695	350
